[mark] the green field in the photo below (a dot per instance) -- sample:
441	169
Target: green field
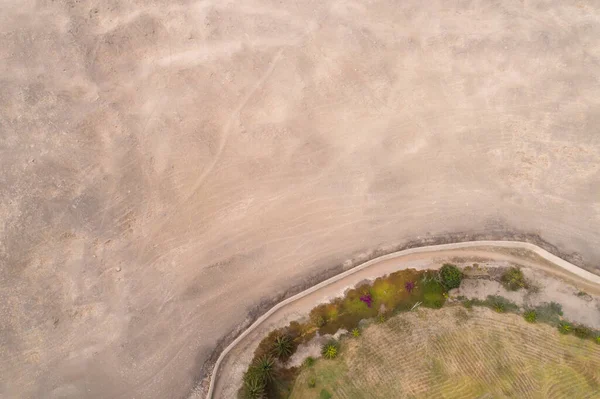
456	353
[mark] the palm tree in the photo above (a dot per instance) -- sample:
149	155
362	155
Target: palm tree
254	386
265	367
283	346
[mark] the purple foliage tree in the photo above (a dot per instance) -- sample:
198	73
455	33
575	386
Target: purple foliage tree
410	286
366	298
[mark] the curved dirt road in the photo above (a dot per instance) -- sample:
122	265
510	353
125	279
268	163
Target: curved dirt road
234	360
170	169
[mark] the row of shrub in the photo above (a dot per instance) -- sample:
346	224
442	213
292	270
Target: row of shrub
548	312
267	376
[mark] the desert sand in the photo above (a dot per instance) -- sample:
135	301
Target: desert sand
170	169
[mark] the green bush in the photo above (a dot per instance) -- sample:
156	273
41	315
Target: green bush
549	313
319	321
309	361
468	303
324	394
499	307
330	349
433	294
530	316
598	339
312	382
564	327
451	276
513	279
500	304
582	331
355	332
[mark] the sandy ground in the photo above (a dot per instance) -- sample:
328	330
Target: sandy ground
555	282
166	167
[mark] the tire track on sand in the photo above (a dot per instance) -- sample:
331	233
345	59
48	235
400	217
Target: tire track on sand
226	132
233	118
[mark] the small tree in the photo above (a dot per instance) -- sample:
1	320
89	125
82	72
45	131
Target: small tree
451	276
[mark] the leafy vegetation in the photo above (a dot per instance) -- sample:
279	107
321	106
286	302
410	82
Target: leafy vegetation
330	349
319	321
467	303
355	332
312	382
433	294
582	331
324	394
494	302
578	330
549	313
451	276
530	315
513	279
309	361
564	327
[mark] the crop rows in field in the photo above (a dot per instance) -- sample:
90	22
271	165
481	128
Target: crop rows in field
447	354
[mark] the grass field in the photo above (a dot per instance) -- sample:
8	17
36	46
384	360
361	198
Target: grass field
456	353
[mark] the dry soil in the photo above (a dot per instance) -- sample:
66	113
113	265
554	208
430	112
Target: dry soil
166	167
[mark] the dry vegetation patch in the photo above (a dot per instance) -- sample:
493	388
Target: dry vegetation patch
457	353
